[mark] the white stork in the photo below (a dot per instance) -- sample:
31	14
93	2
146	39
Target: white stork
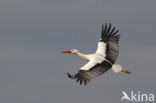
102	60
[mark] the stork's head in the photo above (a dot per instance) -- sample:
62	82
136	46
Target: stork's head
73	51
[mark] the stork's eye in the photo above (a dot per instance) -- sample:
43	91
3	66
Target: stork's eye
72	50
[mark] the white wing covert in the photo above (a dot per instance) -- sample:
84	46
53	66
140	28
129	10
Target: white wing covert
89	65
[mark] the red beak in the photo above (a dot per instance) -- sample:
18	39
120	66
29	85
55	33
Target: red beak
66	52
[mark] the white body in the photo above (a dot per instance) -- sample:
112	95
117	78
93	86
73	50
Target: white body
98	58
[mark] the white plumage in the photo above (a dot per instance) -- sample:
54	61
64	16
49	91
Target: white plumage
116	68
101	49
102	60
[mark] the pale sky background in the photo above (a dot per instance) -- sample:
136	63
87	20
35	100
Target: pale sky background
34	32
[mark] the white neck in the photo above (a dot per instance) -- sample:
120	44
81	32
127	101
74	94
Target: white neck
83	56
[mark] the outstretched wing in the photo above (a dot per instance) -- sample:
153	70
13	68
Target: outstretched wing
110	38
90	64
84	76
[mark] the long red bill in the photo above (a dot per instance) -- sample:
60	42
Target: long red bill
66	52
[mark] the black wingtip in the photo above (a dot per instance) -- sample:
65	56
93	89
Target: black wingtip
80	77
102	30
108	32
70	76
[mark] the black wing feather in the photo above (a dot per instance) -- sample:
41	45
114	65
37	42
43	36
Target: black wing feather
110	32
84	76
111	38
109	28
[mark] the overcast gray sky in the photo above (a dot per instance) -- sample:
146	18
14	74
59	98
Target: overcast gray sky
34	32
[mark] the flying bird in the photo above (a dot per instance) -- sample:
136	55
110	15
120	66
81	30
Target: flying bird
102	60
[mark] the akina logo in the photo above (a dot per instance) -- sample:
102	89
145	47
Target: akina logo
137	97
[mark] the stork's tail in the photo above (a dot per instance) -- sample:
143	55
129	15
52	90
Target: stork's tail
71	76
118	68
